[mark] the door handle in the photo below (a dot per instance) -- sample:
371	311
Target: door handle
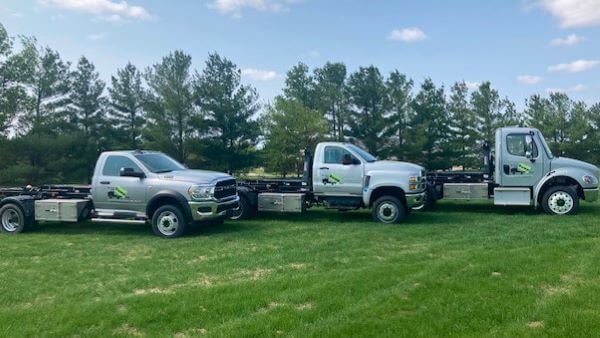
506	168
324	168
104	182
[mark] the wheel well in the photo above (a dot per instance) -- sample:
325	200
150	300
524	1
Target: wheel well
560	180
391	191
165	200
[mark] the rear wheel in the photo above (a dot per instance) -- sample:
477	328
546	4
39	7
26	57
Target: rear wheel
169	222
12	219
389	209
561	200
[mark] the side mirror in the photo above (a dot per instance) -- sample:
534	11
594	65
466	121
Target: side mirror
130	172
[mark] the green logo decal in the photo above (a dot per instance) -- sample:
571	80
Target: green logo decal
524	168
333	178
120	192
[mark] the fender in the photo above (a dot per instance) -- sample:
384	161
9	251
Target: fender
25	202
561	172
249	194
183	202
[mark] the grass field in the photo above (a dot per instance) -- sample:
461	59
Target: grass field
459	270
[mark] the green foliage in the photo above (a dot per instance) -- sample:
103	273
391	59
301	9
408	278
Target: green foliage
330	81
227	108
127	100
463	124
290	129
367	96
401	114
171	111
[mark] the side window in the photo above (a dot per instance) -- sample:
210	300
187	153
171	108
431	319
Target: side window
520	145
114	163
335	154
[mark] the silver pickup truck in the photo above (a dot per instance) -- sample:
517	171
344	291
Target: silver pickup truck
127	187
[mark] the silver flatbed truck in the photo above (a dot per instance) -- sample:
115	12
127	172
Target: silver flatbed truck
127	187
522	171
339	176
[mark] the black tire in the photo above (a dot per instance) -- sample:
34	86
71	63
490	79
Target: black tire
12	219
389	209
244	211
429	200
560	200
169	221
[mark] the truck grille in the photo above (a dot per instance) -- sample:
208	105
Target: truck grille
226	188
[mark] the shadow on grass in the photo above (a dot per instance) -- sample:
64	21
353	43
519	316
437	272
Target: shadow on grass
123	229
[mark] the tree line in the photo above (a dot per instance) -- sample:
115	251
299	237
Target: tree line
56	117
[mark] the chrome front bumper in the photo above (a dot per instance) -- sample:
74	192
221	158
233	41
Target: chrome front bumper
203	211
591	195
415	199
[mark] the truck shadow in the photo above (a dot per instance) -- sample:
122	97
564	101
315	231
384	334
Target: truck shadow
122	229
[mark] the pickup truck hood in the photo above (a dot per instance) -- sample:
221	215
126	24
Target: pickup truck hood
406	167
195	176
562	162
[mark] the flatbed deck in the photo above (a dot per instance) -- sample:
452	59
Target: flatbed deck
47	191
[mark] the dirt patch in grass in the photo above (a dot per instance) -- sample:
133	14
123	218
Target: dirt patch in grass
128	330
536	324
271	306
305	306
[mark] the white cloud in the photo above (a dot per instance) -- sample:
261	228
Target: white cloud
259	75
472	85
573	13
107	9
409	35
567	41
574	67
97	36
529	79
235	7
578	88
573	89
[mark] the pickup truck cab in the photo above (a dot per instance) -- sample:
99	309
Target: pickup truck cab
127	187
525	172
340	176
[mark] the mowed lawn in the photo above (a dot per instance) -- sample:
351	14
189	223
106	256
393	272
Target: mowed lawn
463	269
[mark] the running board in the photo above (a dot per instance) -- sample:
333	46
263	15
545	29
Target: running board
115	220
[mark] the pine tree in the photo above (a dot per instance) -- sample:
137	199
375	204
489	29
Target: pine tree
228	107
127	99
331	98
463	127
300	86
367	96
430	127
87	105
171	110
399	104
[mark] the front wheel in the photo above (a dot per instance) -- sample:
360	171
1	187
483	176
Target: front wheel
560	200
169	222
389	209
12	219
243	211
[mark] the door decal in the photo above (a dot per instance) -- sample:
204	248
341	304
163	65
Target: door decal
524	168
332	179
118	193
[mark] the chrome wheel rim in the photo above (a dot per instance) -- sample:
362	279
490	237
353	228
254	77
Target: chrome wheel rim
560	202
387	212
11	221
236	213
167	223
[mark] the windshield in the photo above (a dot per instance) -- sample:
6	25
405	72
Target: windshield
546	146
159	163
365	156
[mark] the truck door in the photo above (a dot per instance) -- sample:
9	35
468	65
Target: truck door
339	172
113	192
522	160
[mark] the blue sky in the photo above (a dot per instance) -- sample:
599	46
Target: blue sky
522	47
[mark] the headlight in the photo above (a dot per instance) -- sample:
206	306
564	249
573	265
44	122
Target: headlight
590	179
414	182
201	192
